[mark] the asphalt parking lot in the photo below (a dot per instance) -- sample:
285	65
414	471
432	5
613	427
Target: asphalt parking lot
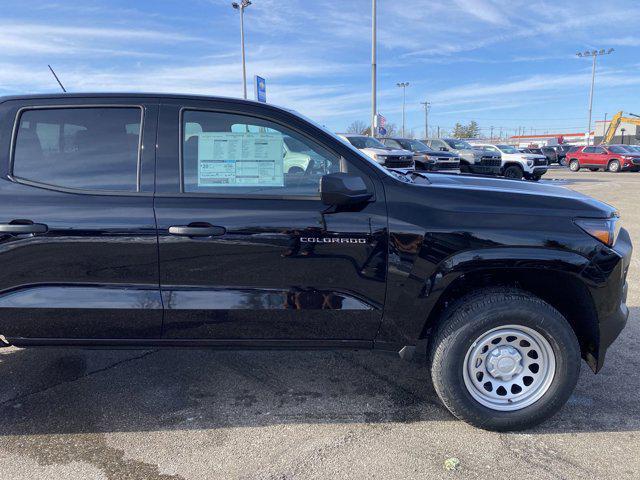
195	414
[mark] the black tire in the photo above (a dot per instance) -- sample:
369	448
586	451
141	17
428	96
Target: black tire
614	166
514	172
574	165
465	168
562	162
479	312
594	169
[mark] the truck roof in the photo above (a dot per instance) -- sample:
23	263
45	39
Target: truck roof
55	96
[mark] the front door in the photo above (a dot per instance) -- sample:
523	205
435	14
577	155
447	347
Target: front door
78	243
247	249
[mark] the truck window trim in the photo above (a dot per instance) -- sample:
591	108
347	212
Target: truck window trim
85	191
253	196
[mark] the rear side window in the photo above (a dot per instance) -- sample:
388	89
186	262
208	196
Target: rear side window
93	148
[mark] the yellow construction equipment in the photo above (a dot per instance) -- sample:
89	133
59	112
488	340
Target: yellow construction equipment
617	119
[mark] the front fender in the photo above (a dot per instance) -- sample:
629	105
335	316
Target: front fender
412	297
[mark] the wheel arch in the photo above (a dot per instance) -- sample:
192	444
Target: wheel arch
512	164
562	289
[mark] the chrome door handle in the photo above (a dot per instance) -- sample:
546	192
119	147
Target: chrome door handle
195	230
22	228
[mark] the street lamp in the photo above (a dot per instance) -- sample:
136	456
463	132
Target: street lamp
403	86
623	130
595	54
427	107
241	6
374	68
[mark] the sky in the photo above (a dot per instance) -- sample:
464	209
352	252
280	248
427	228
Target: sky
506	64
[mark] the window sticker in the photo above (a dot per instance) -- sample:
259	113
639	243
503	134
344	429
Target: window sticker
240	159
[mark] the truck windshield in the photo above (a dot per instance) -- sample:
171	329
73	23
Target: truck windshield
507	149
365	142
459	144
617	149
416	146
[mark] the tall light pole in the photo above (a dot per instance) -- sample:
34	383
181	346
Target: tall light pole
595	54
374	73
403	86
427	106
241	6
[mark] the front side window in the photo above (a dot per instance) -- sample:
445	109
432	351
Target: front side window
79	148
589	150
598	150
234	154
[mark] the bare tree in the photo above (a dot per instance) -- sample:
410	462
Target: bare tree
358	127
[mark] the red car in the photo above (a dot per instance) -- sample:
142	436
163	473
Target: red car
603	157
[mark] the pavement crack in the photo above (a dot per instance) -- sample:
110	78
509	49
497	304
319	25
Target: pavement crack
86	375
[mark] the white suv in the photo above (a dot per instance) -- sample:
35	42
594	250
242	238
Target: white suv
516	164
379	152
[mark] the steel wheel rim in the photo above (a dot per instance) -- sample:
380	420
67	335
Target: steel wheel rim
509	368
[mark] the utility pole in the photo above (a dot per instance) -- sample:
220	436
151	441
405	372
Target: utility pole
241	6
491	136
595	54
374	73
438	131
427	106
403	86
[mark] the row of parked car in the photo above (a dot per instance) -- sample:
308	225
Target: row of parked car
437	154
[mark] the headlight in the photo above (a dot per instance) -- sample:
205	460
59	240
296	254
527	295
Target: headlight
604	229
530	163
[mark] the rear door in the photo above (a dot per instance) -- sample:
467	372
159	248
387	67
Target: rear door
248	252
78	244
588	157
600	157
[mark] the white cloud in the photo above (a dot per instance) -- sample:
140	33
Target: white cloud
19	39
483	10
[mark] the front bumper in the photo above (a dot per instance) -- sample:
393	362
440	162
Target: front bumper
536	171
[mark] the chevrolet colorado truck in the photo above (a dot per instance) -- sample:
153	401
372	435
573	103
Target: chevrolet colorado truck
143	220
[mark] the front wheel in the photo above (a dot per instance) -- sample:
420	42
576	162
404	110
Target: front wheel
614	166
503	359
513	172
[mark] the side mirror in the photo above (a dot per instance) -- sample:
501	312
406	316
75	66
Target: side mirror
343	189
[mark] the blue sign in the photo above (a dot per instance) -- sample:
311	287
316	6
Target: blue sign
382	131
261	89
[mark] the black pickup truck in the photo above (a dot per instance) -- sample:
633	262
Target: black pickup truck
161	220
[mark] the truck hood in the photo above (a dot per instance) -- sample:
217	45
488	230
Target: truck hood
538	196
388	151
